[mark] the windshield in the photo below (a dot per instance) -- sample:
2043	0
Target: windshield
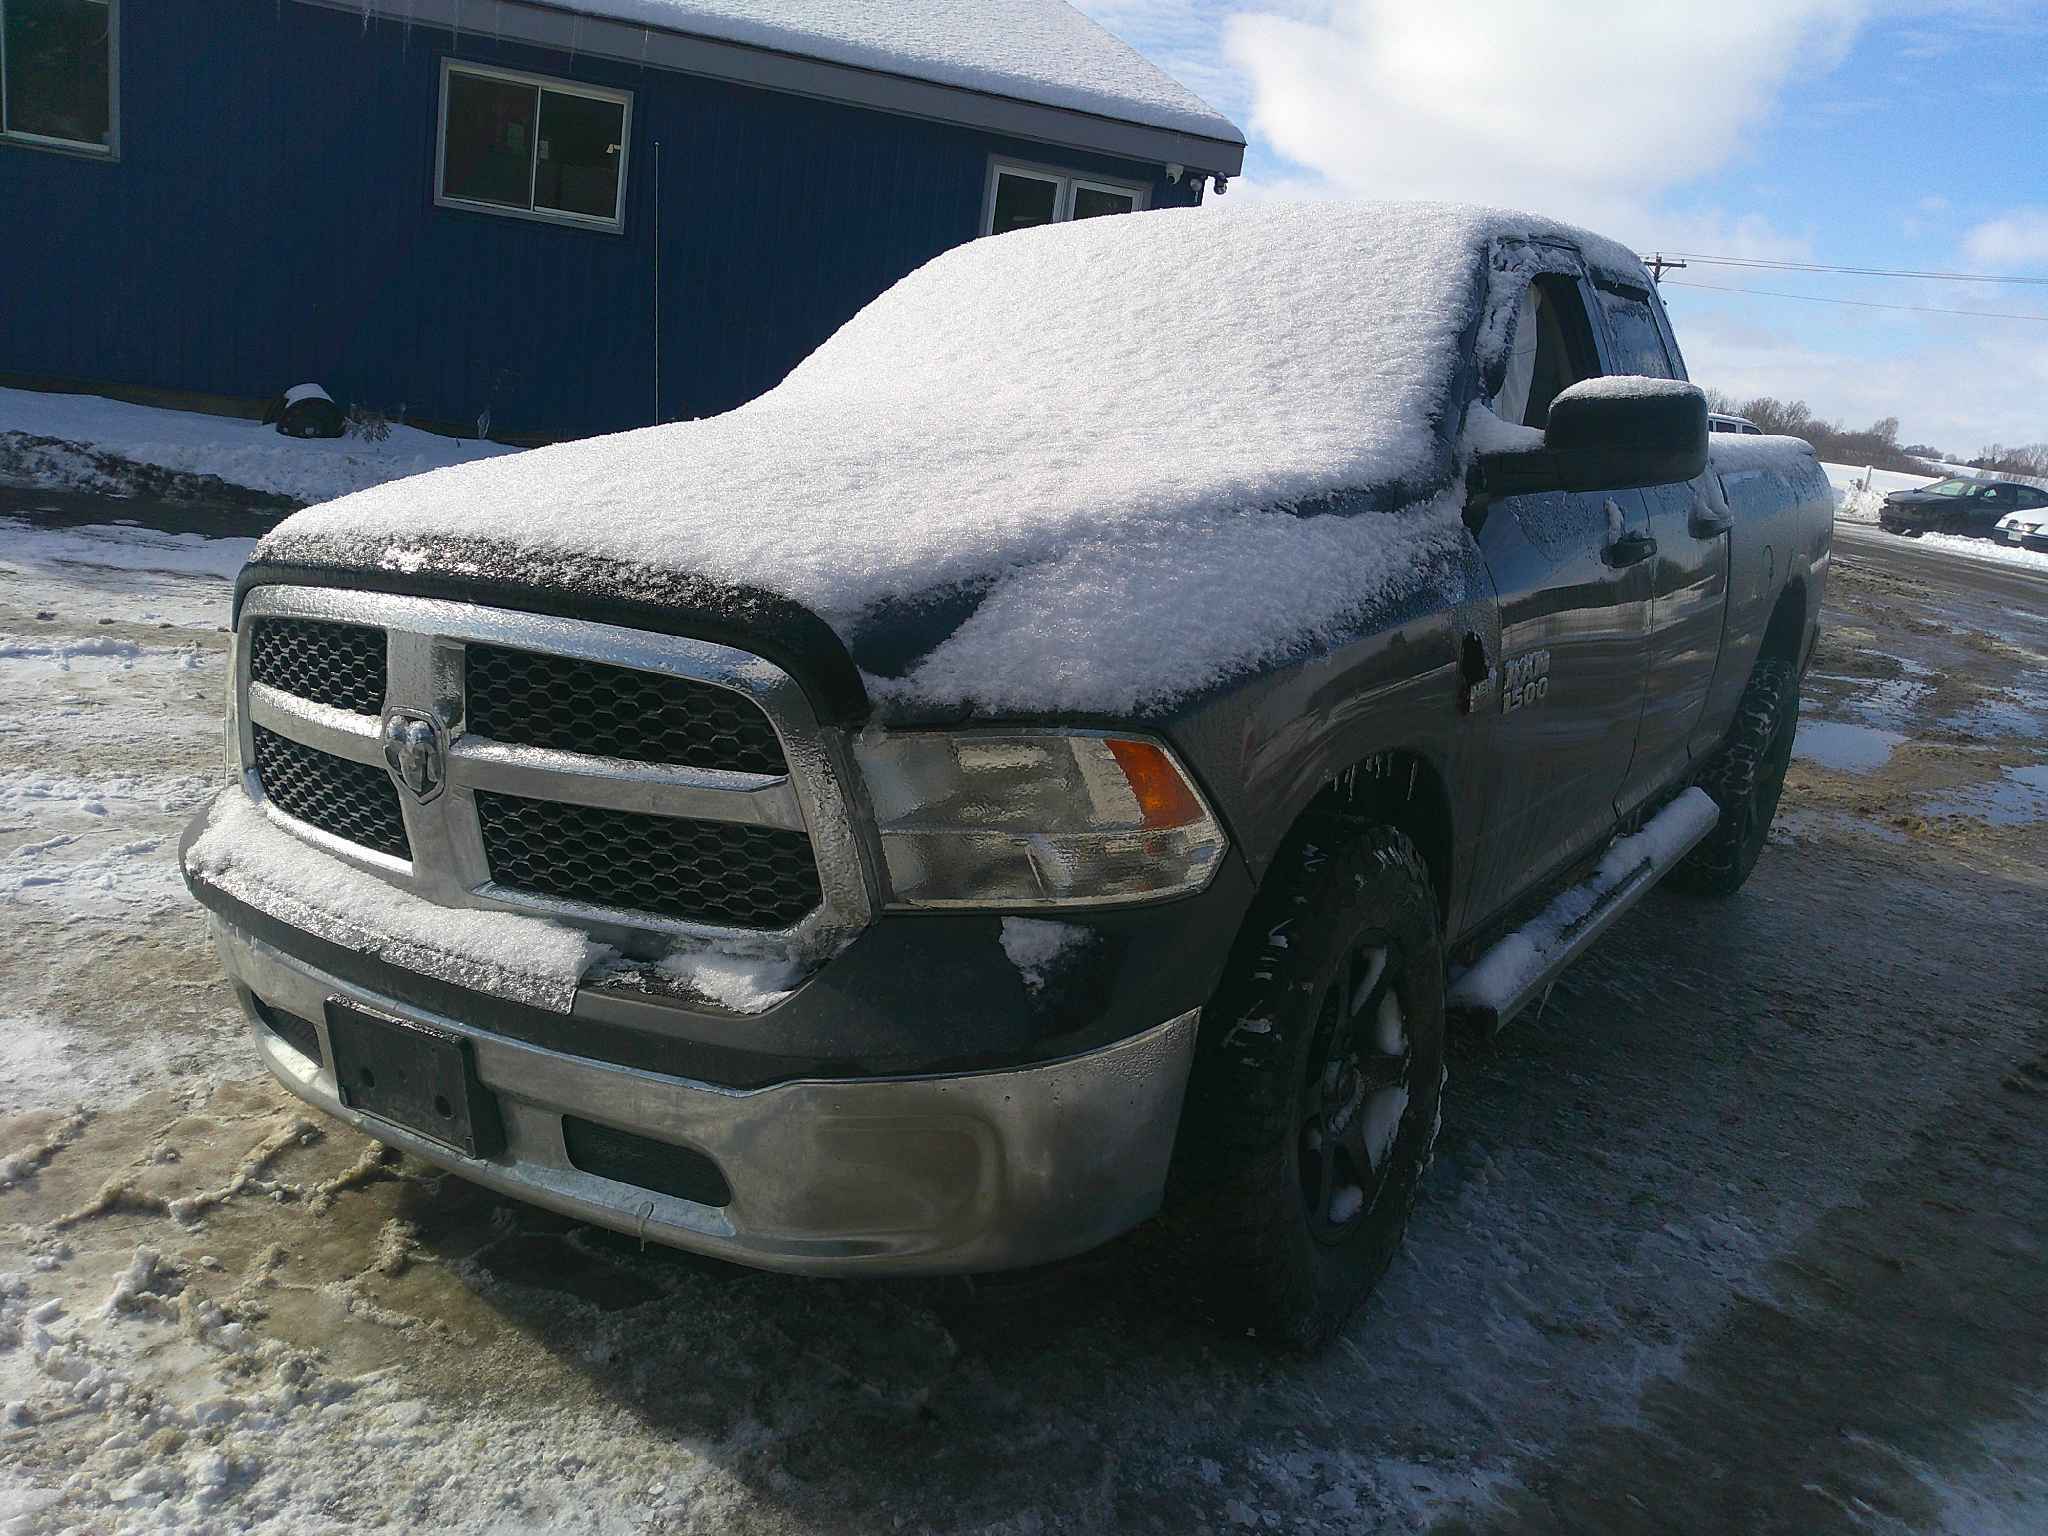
1950	488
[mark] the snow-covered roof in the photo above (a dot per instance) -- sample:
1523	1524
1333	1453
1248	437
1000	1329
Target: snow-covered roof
1108	446
1037	50
1042	53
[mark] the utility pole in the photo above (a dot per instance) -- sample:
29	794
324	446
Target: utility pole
1658	265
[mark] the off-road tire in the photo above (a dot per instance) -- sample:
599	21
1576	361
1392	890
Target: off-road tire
1253	1253
1745	778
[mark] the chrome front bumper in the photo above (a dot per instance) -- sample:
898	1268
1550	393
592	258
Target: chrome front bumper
909	1175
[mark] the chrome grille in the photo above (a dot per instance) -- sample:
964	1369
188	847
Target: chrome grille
623	781
341	665
702	871
571	705
352	801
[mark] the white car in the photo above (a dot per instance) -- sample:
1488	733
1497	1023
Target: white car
1719	421
2028	527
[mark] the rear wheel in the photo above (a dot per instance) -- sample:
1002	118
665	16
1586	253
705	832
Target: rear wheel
1746	777
1313	1105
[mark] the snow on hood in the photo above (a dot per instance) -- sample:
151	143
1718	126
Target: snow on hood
1112	448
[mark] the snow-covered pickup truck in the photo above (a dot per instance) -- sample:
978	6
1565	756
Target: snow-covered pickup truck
1077	744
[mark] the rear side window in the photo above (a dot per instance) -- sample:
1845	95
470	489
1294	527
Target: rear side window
1638	343
2030	499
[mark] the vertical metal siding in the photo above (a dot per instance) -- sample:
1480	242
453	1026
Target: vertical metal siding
272	219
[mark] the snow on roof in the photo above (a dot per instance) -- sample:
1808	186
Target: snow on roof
1042	51
1109	444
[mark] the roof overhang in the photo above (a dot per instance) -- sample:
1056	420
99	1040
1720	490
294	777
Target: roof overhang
569	31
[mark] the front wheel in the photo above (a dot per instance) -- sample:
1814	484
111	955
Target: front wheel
1314	1101
1746	777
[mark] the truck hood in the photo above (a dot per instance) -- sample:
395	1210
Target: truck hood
1094	467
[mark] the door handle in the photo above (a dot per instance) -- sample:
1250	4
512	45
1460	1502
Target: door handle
1630	549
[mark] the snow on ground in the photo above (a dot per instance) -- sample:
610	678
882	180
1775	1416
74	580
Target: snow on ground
1984	551
111	546
82	442
1989	550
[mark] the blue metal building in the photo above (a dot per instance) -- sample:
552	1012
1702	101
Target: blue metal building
572	221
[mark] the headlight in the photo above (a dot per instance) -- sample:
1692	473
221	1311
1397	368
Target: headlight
1017	819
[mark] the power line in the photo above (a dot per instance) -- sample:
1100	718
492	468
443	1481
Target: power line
1758	263
1814	298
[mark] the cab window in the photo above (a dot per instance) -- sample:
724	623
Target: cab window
1637	343
1551	351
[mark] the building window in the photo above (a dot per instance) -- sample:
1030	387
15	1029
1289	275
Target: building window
1024	196
531	147
57	73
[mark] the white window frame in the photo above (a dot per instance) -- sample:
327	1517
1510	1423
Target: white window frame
1064	181
616	224
111	150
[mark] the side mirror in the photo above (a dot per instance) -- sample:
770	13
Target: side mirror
1608	434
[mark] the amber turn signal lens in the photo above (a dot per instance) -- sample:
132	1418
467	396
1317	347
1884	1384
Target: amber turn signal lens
1164	798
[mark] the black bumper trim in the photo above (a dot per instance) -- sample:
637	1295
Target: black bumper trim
879	1012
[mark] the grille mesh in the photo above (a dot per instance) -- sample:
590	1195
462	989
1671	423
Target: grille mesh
523	698
717	872
351	800
337	664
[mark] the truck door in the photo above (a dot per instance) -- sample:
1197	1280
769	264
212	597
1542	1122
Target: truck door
1688	572
1573	601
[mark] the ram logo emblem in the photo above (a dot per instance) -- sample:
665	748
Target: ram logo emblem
414	752
1527	681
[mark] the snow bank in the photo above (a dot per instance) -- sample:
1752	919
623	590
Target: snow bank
1855	504
1112	445
1991	551
528	959
113	547
36	430
1041	51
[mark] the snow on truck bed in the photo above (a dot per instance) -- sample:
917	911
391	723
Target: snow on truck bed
1105	438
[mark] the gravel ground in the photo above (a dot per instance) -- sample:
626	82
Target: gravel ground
1744	1232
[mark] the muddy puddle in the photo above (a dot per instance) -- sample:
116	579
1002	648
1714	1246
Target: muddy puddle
1845	746
2019	798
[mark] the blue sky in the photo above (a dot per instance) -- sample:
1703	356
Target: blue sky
1837	131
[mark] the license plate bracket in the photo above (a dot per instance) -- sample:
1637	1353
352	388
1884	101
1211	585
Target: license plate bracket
413	1075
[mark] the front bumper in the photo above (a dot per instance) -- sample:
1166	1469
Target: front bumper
903	1175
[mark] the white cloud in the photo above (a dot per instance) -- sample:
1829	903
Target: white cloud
1611	113
1586	109
2017	239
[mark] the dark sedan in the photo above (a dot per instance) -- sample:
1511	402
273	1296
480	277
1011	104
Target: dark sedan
1958	505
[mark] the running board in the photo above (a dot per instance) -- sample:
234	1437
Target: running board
1517	970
